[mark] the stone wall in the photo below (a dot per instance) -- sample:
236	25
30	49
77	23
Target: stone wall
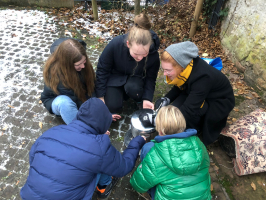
243	38
40	3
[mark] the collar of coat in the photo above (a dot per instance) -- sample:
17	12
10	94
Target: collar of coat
182	77
185	134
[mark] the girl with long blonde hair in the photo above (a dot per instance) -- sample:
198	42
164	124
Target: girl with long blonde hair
128	67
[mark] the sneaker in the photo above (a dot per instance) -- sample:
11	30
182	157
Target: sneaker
104	193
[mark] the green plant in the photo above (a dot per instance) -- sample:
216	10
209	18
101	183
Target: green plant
223	13
208	6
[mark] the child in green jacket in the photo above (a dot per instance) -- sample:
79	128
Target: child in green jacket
176	164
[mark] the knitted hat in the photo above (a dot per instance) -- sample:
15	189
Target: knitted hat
183	52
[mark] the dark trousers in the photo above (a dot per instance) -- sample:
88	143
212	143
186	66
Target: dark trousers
115	96
196	120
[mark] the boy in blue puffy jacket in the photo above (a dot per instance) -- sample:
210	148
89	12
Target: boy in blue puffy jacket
69	161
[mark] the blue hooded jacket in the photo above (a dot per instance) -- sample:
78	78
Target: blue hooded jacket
65	160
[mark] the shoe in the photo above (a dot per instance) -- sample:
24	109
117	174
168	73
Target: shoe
104	193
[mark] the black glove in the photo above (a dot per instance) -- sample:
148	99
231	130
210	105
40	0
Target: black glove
147	119
163	101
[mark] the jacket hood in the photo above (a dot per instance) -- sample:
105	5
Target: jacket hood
156	42
95	114
185	155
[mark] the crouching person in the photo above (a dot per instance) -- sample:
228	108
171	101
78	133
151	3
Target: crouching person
176	164
70	161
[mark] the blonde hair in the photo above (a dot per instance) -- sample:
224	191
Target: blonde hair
140	32
166	57
170	120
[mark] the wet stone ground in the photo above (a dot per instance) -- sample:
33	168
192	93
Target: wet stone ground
25	39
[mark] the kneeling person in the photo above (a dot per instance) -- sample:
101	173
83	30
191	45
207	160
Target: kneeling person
69	161
175	163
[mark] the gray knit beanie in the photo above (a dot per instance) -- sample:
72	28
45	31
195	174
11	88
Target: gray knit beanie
183	52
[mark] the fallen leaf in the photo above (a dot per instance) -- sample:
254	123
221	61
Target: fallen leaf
253	186
234	119
211	187
40	101
40	124
11	106
236	109
17	182
216	168
247	97
10	173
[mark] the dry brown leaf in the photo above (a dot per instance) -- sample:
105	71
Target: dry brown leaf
234	119
10	173
40	125
11	106
253	186
17	182
247	97
236	109
216	168
211	187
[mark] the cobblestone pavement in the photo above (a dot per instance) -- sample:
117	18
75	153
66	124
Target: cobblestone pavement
25	39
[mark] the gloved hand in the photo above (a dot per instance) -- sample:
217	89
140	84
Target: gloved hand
147	119
163	101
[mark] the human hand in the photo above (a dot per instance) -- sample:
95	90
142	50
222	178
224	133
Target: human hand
163	101
107	133
147	104
102	98
116	117
144	137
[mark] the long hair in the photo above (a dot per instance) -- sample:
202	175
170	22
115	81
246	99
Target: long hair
60	68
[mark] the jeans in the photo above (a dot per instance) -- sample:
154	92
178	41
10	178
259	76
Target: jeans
103	179
145	149
64	106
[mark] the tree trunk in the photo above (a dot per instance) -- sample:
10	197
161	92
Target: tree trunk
137	7
194	23
94	9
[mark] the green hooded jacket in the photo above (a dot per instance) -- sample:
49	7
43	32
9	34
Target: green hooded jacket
178	167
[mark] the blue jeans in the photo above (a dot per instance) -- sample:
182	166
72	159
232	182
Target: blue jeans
103	179
145	149
64	106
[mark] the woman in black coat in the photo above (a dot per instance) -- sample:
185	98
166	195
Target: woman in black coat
128	67
203	94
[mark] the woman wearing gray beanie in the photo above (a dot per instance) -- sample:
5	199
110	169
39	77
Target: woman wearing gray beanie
203	94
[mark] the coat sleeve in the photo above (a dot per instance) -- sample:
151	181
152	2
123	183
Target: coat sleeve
198	93
151	76
145	177
173	93
104	67
115	164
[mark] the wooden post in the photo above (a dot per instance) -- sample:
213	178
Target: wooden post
94	9
194	23
137	7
